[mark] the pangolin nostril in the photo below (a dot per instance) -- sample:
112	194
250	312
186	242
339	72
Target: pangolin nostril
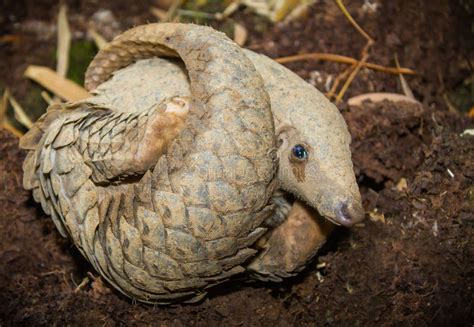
349	215
343	213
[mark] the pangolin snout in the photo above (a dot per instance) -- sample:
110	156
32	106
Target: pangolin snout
349	214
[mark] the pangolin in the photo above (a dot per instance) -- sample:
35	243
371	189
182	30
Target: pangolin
164	178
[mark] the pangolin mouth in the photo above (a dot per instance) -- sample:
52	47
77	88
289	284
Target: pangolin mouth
343	214
331	220
307	203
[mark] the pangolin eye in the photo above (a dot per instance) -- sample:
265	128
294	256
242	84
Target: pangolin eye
299	152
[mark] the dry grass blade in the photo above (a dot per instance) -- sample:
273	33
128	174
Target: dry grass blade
406	89
230	9
47	98
20	114
64	42
301	10
158	13
62	87
344	60
4	122
283	8
99	40
170	15
240	34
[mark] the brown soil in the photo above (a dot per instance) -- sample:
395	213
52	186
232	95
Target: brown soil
410	263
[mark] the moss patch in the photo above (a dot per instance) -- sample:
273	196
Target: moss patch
81	54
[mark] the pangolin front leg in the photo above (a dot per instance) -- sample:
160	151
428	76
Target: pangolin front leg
117	145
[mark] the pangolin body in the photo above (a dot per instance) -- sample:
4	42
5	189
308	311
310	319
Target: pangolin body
163	179
164	230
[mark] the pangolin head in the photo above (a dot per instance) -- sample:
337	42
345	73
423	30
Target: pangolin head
315	161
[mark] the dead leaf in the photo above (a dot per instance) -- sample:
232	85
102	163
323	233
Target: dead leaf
349	288
83	283
299	11
158	13
64	42
468	132
379	97
240	34
435	229
375	216
402	185
62	87
275	10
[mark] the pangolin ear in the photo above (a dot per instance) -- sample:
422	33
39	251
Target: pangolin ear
283	133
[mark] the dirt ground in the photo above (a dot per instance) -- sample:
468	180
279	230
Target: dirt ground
412	261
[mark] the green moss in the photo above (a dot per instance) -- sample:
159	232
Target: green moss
80	55
197	11
210	6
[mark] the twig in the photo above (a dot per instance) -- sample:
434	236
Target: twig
345	87
344	60
365	50
353	22
338	80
